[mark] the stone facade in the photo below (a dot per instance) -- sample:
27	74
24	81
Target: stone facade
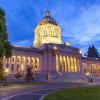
50	59
47	31
53	62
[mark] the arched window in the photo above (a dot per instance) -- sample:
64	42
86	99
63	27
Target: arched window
28	61
33	63
13	59
23	60
52	34
18	59
37	63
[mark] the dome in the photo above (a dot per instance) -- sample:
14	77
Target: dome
47	19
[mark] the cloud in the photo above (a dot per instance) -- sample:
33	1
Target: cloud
88	25
23	43
80	25
78	19
82	28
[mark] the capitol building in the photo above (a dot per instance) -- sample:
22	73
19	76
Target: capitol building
52	60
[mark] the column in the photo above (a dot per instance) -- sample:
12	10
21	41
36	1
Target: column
66	64
45	62
59	63
78	64
15	65
70	64
56	63
25	65
10	64
62	63
49	65
41	64
20	62
75	64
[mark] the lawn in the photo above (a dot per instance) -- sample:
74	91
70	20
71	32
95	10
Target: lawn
88	93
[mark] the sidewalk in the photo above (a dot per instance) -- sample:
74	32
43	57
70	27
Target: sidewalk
14	85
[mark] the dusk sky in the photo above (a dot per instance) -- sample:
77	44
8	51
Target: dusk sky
78	19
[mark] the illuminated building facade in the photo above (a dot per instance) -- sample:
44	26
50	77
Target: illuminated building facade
47	31
50	59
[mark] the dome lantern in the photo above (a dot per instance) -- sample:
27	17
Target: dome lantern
47	31
47	19
47	14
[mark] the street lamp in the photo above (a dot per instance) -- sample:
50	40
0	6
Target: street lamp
6	74
87	75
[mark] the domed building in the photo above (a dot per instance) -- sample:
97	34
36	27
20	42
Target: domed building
50	59
47	31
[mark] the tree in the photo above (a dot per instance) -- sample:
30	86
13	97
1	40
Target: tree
29	74
5	46
92	52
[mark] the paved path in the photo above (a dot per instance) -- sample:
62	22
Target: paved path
34	92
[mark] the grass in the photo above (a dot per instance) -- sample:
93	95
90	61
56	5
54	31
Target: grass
88	93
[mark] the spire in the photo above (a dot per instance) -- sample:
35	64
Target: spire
47	13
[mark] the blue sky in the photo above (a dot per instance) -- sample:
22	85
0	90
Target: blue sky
78	19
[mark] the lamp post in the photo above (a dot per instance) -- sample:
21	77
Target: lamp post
6	74
87	75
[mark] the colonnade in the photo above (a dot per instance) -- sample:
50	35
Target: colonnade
49	31
21	63
92	68
67	63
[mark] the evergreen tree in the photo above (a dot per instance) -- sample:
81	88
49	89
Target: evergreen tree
5	47
92	52
29	74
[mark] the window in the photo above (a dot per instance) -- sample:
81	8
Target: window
18	59
37	63
13	59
